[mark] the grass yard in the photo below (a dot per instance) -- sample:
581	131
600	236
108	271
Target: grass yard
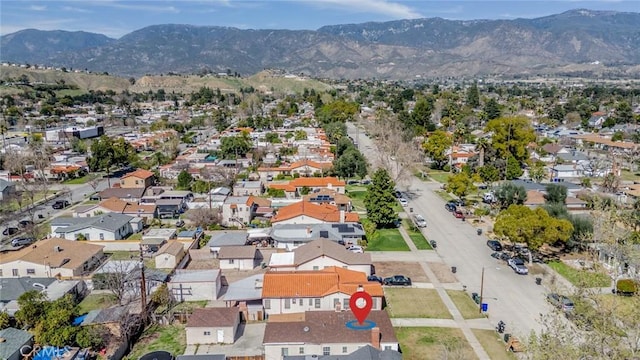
387	240
171	338
416	235
419	343
581	278
493	345
627	175
439	176
467	307
124	255
79	181
415	303
96	301
622	306
444	195
357	198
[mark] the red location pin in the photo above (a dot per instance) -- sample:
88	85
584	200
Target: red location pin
360	304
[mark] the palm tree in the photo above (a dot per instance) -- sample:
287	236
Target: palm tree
481	145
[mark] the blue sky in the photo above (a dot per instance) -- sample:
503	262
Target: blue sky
115	18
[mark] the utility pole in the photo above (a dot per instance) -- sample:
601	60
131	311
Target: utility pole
481	289
143	287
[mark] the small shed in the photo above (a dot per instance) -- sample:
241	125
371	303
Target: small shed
238	257
213	326
169	255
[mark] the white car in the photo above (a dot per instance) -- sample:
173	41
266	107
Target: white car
518	266
403	202
420	221
356	249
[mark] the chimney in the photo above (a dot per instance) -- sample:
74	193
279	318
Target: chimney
375	337
342	216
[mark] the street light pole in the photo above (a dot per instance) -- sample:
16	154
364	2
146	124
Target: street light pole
481	289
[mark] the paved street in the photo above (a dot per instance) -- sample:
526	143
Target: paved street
515	299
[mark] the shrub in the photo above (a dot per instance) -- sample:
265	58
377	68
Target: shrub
626	287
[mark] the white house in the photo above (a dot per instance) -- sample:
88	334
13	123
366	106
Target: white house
320	254
324	333
195	285
212	326
169	255
238	257
109	226
285	292
570	171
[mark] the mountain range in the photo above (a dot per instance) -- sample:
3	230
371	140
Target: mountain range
574	42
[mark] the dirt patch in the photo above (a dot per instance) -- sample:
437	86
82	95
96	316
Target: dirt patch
410	269
443	272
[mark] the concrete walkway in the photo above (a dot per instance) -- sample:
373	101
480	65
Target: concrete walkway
458	321
481	324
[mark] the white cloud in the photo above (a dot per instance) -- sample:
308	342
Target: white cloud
76	9
384	7
150	6
37	8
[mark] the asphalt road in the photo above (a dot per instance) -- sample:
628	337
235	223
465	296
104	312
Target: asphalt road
513	298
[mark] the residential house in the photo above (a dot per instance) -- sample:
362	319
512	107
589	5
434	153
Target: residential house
569	171
366	352
110	226
13	341
153	239
314	184
170	208
7	189
118	206
246	188
169	255
320	254
239	257
290	191
535	198
605	143
137	179
303	168
239	210
573	157
13	288
129	273
131	195
247	295
597	119
331	197
213	326
324	333
285	292
227	238
312	213
195	285
290	236
53	257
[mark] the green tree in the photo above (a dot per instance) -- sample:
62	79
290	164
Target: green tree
624	113
511	136
106	153
300	135
536	171
338	110
555	194
520	224
489	173
508	194
350	163
380	199
436	147
421	114
460	184
513	170
473	96
492	109
305	190
617	136
272	138
335	131
89	337
32	306
232	147
481	146
184	180
4	320
55	326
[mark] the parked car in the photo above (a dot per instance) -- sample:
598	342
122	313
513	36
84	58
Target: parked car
450	206
494	245
518	266
419	220
560	301
375	278
500	256
60	204
355	249
365	182
12	230
22	241
403	202
397	280
458	214
180	223
25	223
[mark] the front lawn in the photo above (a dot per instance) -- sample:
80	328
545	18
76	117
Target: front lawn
416	235
439	176
357	195
581	278
171	338
79	180
444	195
97	301
493	345
415	303
467	307
386	240
419	343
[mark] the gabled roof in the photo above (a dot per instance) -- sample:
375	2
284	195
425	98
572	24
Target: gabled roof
366	352
237	252
311	163
331	280
328	248
140	173
316	182
117	205
333	195
323	212
122	193
4	184
214	317
552	148
71	255
172	247
326	327
14	339
108	222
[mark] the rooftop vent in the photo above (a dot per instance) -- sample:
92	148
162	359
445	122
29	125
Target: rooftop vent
306	329
57	249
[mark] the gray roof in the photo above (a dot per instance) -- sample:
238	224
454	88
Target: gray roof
169	202
14	339
221	191
108	222
4	184
532	185
207	275
249	288
247	185
228	239
12	288
300	232
324	247
236	200
122	193
367	352
573	156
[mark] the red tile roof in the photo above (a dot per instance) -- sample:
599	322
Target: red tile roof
324	212
331	280
140	173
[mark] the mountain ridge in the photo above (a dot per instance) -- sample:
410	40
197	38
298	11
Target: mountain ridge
581	40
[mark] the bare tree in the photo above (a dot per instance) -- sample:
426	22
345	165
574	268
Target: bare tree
203	217
115	277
